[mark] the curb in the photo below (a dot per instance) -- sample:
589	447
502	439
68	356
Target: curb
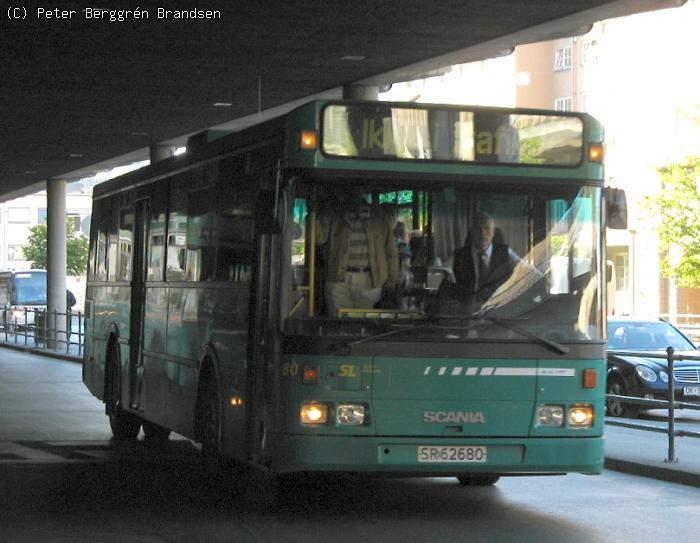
653	472
43	352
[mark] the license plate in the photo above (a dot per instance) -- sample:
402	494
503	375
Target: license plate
691	391
457	454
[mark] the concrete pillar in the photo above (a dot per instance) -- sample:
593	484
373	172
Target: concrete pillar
57	260
361	92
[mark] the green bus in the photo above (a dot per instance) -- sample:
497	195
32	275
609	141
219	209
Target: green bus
211	308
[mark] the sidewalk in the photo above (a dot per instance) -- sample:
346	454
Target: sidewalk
641	452
28	345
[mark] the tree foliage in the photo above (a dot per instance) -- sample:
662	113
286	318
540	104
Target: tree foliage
76	250
677	212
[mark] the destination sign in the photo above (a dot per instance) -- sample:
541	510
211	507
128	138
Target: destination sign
440	133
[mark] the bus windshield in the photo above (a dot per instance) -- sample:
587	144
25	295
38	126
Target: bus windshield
30	288
444	262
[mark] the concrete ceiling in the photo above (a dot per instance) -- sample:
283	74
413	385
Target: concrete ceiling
79	95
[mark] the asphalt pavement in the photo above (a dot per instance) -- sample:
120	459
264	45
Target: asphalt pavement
640	452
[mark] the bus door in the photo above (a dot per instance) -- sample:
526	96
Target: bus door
138	298
263	327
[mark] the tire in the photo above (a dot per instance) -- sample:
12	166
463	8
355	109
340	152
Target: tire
618	408
155	432
124	425
210	424
478	479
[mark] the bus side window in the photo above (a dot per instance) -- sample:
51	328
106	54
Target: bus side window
126	241
104	213
201	249
155	243
177	230
101	263
234	232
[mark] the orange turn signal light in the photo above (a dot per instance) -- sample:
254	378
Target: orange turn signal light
590	378
309	139
595	152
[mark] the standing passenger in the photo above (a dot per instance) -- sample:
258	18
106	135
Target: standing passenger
362	254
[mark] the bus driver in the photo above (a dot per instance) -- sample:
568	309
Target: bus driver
484	263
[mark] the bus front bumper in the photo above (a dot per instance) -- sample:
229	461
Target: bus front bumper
293	453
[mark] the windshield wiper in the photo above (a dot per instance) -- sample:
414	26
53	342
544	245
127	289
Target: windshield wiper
505	323
548	343
395	331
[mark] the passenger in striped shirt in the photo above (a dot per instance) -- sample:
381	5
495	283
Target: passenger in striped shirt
362	254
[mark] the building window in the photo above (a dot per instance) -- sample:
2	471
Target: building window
18	214
563	104
562	59
589	51
621	261
42	216
14	253
73	223
622	268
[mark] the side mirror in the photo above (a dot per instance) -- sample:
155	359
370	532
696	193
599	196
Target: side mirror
616	208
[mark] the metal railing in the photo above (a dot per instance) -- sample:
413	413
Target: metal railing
41	329
671	404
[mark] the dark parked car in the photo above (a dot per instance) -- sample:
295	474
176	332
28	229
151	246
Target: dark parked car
648	377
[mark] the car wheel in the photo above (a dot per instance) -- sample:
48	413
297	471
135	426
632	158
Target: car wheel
480	479
124	425
614	407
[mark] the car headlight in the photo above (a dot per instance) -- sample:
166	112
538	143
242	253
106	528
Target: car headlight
647	374
550	415
664	376
350	414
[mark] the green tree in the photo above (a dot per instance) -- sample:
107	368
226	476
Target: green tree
677	212
76	250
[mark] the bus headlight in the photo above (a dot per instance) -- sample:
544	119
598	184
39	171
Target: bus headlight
581	416
350	414
550	415
313	413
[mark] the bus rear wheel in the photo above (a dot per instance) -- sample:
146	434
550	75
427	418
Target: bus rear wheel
124	425
478	479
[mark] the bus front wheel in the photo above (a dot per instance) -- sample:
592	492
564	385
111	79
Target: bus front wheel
124	425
